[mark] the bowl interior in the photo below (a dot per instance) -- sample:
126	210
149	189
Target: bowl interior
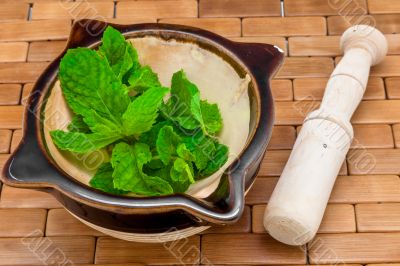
218	80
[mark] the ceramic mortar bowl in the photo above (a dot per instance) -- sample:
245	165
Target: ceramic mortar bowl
234	75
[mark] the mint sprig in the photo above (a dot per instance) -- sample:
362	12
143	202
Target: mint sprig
157	147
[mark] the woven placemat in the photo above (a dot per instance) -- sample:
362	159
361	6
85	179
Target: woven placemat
362	221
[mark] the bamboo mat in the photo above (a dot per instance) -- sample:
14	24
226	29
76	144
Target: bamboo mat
362	222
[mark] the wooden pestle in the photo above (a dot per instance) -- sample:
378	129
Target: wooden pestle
295	210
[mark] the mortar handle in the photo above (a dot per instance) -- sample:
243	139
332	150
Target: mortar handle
296	207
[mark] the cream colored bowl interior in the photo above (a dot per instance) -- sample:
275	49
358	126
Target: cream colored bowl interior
216	79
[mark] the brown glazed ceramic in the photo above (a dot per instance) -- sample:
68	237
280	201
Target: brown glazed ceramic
31	165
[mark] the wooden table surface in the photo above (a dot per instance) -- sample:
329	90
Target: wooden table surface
362	222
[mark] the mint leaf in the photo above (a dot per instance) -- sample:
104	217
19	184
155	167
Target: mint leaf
162	172
187	122
128	174
89	85
143	79
155	164
103	180
95	96
143	111
80	142
219	159
182	172
104	133
150	137
184	153
128	165
101	125
186	108
181	175
119	53
167	143
155	186
78	125
211	117
184	104
202	147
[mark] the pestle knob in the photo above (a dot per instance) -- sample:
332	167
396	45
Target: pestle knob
365	37
296	207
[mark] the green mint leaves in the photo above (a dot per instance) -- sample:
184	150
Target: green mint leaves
157	147
167	143
128	161
142	112
212	120
143	79
89	84
121	56
186	108
103	180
